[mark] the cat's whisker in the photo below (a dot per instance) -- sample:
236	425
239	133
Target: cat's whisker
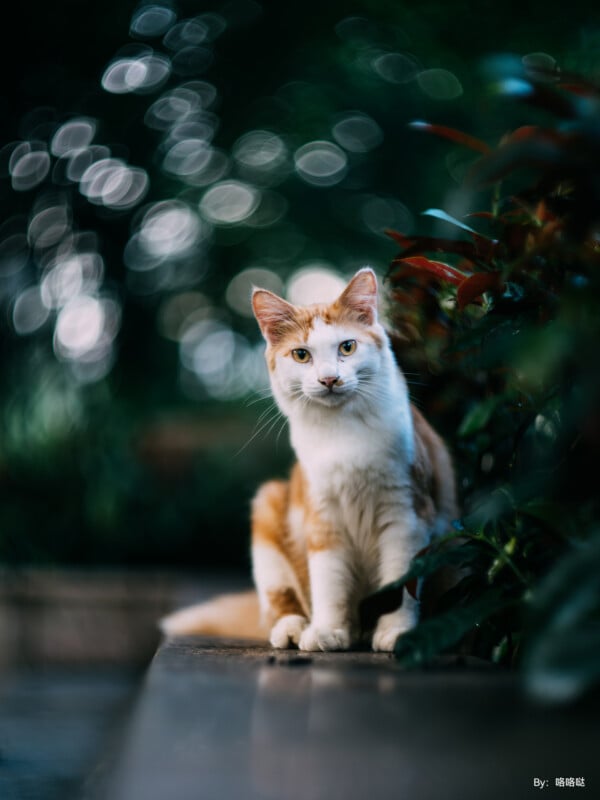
274	423
410	382
260	396
417	402
281	429
261	425
370	390
265	413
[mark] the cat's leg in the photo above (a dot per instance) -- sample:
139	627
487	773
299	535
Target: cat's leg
330	586
277	583
398	544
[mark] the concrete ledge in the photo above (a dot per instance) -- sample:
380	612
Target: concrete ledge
222	720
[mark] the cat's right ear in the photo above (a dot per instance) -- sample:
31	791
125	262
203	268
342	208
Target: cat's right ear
272	314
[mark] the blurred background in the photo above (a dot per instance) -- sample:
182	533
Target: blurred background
157	160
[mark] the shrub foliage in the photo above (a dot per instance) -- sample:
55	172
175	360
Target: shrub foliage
504	320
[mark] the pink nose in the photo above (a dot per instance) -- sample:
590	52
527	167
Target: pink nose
329	382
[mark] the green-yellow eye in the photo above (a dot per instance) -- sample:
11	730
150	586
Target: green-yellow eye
301	355
348	347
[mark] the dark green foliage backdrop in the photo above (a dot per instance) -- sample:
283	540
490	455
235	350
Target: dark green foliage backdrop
141	464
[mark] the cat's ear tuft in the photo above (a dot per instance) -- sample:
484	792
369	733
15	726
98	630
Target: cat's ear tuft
272	313
360	296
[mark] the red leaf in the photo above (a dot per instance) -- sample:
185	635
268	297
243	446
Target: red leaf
475	285
522	133
536	152
483	215
454	135
422	244
437	268
400	238
581	89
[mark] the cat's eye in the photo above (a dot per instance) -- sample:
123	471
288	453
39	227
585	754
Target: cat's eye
301	355
348	347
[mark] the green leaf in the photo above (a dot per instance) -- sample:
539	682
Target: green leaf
478	416
554	515
562	655
389	597
420	645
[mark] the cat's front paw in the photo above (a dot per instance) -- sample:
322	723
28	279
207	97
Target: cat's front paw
384	641
287	631
320	638
389	628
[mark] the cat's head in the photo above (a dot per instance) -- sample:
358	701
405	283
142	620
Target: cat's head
324	354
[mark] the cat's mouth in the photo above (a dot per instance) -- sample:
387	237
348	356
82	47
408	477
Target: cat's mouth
332	396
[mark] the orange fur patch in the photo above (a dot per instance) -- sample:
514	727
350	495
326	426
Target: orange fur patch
434	490
284	601
295	331
270	510
269	513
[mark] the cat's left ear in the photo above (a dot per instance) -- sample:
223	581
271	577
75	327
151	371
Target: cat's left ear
360	296
272	314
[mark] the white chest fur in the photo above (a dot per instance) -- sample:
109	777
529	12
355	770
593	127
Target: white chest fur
357	468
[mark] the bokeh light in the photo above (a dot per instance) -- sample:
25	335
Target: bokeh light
541	66
186	103
224	183
14	250
315	282
203	168
379	214
270	210
192	60
229	202
144	73
152	20
239	291
29	313
221	363
440	84
357	133
182	310
84	333
78	161
29	164
320	163
261	155
74	135
188	158
188	33
48	225
67	277
398	68
112	183
169	228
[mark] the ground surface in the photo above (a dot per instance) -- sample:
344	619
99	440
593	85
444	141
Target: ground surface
57	725
224	721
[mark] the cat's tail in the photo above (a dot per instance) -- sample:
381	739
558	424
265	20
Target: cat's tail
229	615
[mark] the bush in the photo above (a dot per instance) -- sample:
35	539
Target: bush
503	324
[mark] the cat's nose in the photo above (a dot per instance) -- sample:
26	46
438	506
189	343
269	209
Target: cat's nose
329	381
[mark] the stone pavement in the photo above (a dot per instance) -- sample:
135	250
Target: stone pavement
57	725
223	720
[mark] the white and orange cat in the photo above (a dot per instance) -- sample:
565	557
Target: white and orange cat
372	483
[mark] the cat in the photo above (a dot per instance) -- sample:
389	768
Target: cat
373	482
